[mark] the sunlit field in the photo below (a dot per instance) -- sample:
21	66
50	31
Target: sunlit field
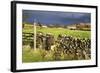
56	31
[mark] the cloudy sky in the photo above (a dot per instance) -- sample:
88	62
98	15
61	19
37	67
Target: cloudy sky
55	17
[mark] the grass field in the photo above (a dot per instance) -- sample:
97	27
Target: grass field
29	55
57	31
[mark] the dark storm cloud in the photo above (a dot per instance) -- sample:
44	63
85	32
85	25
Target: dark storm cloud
55	17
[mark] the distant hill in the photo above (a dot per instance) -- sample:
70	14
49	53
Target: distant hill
80	26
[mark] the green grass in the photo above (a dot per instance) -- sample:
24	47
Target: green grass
63	31
40	55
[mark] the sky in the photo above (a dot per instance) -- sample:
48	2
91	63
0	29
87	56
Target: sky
55	17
